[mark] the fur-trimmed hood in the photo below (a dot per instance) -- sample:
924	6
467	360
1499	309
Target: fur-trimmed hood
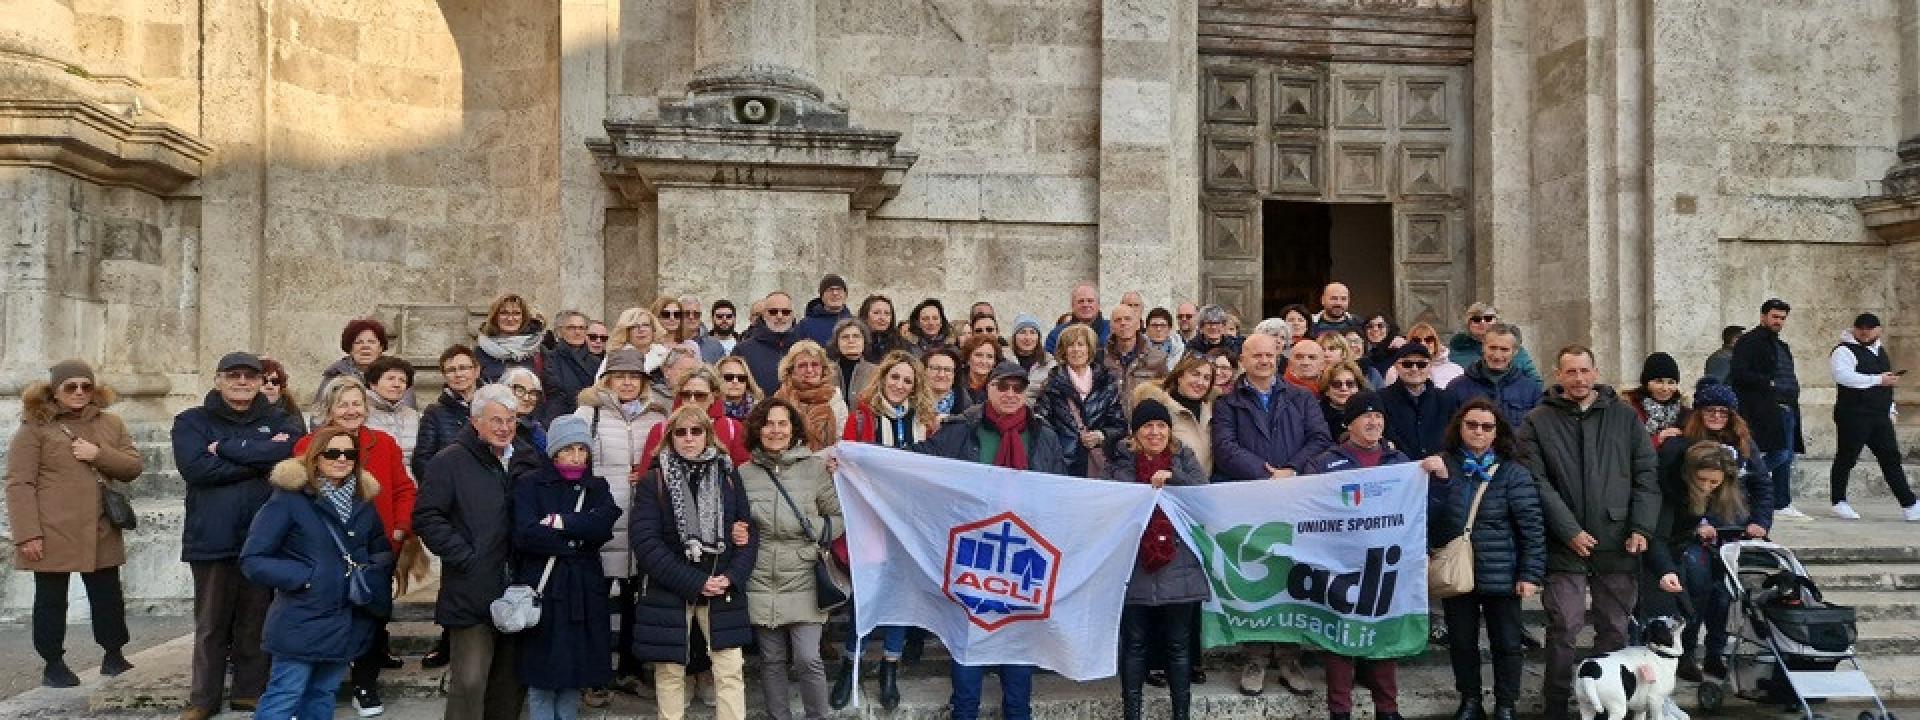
292	475
37	403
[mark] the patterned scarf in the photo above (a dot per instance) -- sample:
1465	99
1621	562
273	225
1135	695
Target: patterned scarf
698	510
1660	415
739	409
1478	466
339	496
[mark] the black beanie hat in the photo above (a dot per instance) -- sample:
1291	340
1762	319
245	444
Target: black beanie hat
1361	404
1148	411
1659	365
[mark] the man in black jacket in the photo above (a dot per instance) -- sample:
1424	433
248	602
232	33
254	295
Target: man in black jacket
1001	432
463	516
1863	414
568	368
1762	376
1598	490
225	449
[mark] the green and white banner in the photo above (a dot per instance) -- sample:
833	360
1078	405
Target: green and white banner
1336	561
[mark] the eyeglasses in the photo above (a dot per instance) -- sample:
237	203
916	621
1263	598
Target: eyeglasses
273	381
778	311
671	314
938	370
695	431
451	369
1156	323
76	388
695	395
339	454
1414	364
1483	318
524	391
1479	426
1348	384
596	338
573	327
734	377
241	375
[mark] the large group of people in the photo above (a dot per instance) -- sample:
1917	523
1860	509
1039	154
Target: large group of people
665	486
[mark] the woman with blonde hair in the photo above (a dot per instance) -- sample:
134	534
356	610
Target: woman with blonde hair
1168	581
677	327
512	336
1443	370
67	442
804	382
638	328
738	391
1337	348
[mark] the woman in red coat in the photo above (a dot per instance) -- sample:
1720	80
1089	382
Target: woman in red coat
343	403
702	386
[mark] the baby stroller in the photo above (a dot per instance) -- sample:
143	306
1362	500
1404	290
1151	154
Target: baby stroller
1801	647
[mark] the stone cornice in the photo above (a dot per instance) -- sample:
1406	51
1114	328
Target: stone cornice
1894	216
89	142
639	158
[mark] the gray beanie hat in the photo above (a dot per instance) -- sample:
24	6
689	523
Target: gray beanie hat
1025	320
567	430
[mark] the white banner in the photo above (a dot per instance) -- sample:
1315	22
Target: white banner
1337	561
1005	566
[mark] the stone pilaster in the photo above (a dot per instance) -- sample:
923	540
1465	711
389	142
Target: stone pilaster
585	36
1149	193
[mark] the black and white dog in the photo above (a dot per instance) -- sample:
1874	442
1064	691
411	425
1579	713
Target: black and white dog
1633	681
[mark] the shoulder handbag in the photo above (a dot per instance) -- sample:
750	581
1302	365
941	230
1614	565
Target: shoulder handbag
518	607
359	588
1096	456
831	584
114	505
1450	569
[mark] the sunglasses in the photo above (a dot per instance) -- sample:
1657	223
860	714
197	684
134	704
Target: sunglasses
74	388
596	338
1484	318
273	381
723	316
1343	384
1010	386
339	454
1414	364
734	377
682	432
1479	426
671	314
778	311
695	395
1427	340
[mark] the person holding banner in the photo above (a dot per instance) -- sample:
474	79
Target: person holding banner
1595	467
1168	582
1264	428
1003	432
1362	448
1509	549
692	572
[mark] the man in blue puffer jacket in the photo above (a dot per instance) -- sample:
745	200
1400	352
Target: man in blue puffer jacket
224	449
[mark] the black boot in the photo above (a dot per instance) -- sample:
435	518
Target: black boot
889	684
1687	670
915	647
114	663
842	693
1716	666
1470	709
1505	712
58	675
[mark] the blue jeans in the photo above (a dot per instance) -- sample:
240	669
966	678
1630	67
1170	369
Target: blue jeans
1780	462
1016	691
1700	577
551	704
893	638
300	689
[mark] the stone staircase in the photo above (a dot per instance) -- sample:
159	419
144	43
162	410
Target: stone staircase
1873	565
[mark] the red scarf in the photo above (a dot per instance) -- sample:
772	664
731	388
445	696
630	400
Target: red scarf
1157	543
1013	451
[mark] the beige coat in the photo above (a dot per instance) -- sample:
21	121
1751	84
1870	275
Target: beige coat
618	442
1193	432
780	591
52	496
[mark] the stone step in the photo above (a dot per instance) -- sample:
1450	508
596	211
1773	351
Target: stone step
1866	576
1866	484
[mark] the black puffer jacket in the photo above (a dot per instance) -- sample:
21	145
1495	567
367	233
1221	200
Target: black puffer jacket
440	423
1509	533
670	583
1065	411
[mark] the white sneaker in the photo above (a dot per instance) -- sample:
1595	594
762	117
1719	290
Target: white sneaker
1844	511
1791	513
1911	512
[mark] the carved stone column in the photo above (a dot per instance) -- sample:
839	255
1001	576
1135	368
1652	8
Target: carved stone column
758	175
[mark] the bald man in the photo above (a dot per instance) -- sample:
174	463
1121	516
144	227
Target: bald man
1264	428
1305	361
1333	315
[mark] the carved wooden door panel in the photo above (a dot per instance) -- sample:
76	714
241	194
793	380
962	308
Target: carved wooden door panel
1338	133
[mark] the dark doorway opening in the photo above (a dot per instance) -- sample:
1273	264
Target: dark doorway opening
1309	244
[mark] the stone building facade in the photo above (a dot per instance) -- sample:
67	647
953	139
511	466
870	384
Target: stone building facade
180	179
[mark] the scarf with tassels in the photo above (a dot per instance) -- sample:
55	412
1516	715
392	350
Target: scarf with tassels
699	509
